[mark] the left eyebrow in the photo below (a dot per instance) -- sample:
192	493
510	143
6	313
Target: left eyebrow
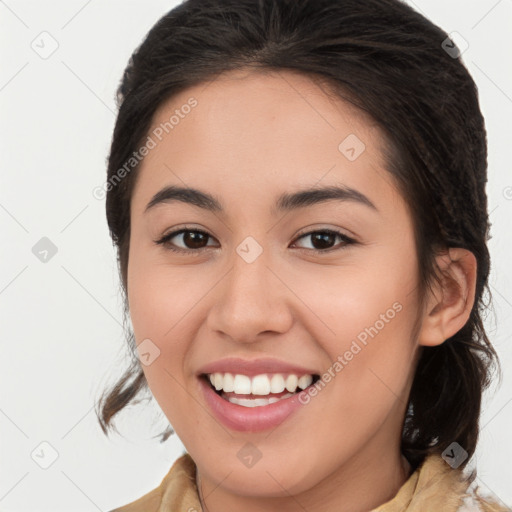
285	202
302	198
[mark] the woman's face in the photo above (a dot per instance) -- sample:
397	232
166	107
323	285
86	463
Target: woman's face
266	282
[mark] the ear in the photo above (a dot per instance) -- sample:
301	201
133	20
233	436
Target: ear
448	307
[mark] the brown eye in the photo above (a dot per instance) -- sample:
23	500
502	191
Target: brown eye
193	240
323	240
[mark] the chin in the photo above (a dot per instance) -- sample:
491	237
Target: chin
274	478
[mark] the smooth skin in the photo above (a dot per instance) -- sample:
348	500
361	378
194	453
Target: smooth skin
251	137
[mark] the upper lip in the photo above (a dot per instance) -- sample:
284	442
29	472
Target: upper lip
252	367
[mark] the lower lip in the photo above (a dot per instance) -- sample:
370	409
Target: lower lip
249	419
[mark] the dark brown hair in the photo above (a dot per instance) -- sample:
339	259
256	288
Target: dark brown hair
389	61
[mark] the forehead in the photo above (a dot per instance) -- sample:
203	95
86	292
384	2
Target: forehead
271	102
250	131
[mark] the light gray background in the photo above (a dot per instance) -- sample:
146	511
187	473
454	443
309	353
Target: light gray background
61	333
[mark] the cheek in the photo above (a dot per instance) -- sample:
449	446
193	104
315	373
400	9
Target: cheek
166	306
362	299
159	295
155	314
364	316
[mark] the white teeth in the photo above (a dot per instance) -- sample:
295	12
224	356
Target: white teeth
218	381
291	383
305	381
229	383
277	383
262	384
242	384
257	402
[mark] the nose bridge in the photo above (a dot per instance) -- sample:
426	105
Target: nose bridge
249	300
248	279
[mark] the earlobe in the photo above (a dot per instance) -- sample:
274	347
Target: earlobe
449	306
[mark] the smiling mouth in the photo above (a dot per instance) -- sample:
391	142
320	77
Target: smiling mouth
260	390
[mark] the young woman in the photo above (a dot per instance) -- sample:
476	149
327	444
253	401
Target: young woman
296	189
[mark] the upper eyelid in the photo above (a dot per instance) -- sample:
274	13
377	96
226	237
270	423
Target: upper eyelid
346	238
304	231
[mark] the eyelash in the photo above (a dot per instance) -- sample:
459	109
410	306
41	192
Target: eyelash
165	239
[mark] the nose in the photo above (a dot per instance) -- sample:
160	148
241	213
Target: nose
250	302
